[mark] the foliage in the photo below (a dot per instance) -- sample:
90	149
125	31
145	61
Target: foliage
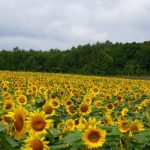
97	59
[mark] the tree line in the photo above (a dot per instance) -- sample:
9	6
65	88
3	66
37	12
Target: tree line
105	58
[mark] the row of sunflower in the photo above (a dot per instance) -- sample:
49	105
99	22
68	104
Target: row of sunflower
41	111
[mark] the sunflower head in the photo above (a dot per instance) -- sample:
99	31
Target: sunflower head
71	110
22	99
8	104
84	109
35	143
94	138
55	102
137	126
95	90
18	116
124	126
124	111
48	109
37	122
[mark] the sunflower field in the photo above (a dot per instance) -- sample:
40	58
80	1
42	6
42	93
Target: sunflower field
43	111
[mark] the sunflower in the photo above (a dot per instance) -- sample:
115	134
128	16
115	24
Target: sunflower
37	122
95	90
71	110
98	104
81	124
124	111
84	109
29	91
91	122
42	89
55	103
87	99
22	99
8	104
110	106
48	109
108	97
119	98
108	120
70	125
5	120
18	116
124	126
137	126
94	138
35	143
69	102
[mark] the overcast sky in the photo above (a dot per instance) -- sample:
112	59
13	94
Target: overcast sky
46	24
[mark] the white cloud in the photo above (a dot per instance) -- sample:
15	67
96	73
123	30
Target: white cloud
45	24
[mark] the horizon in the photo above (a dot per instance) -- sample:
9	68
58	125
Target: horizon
17	47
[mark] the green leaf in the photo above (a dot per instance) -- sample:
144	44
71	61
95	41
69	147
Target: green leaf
7	142
56	147
2	127
72	137
11	141
143	137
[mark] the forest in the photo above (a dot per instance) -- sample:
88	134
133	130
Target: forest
101	58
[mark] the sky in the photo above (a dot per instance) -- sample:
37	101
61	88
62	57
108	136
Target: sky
62	24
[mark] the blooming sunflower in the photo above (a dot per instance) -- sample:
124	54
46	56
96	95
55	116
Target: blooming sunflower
70	125
55	103
18	116
84	109
137	126
37	122
48	109
124	126
35	143
69	102
8	104
94	138
95	90
88	99
22	99
98	104
71	110
124	111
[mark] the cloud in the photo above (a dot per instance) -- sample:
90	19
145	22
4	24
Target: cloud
46	24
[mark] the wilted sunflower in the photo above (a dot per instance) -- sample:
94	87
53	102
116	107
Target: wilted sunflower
94	138
18	116
37	122
35	143
84	109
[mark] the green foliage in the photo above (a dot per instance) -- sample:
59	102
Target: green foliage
97	59
6	142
